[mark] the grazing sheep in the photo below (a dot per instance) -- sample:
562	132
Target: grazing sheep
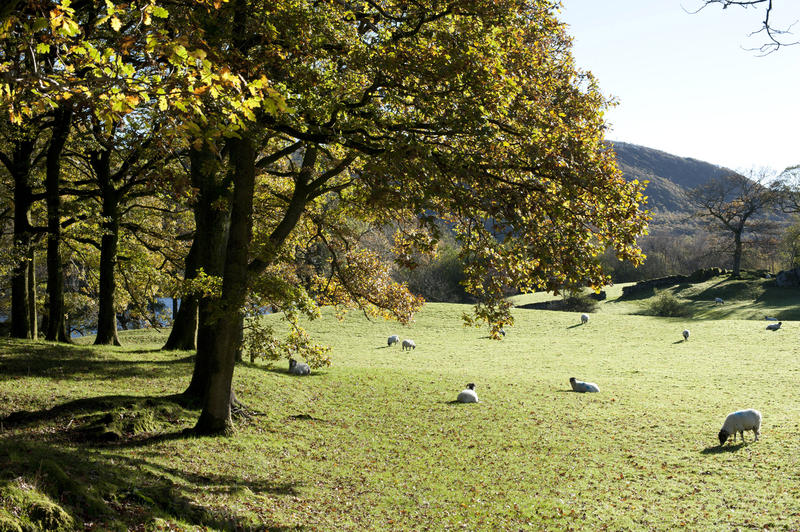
580	386
298	369
686	335
770	318
739	422
408	344
394	339
774	326
584	319
468	395
718	301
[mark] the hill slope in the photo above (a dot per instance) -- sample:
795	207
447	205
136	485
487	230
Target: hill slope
669	175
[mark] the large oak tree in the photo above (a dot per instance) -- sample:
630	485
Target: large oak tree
471	112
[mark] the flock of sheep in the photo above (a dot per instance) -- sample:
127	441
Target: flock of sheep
735	422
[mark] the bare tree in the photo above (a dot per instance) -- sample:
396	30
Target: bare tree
776	37
735	206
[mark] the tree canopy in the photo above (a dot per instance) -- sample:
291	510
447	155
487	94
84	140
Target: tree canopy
317	125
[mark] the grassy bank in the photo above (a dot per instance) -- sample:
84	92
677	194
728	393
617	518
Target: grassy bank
375	442
748	298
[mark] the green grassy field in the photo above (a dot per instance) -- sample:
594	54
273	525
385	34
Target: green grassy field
376	443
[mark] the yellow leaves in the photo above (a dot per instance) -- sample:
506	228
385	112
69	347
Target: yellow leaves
116	23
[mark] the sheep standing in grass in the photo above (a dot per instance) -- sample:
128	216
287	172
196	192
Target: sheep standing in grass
774	326
580	386
468	395
739	422
584	319
686	335
298	369
408	344
718	301
394	339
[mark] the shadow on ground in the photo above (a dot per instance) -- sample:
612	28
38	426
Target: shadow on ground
67	467
722	449
58	361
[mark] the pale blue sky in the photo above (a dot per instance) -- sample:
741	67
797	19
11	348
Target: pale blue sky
686	84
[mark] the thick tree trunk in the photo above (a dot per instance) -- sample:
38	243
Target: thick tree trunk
23	200
56	327
737	253
106	315
216	414
212	214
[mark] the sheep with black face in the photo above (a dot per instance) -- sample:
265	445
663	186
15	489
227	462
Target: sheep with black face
739	422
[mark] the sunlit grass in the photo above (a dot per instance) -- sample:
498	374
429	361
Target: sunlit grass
375	442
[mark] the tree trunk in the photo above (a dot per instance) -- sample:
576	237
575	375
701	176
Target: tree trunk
183	335
23	200
737	253
212	214
32	315
215	417
106	315
56	327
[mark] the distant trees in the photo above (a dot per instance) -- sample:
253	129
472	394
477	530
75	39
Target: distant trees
735	206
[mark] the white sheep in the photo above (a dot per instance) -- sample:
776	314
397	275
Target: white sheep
394	339
774	326
298	369
468	395
718	301
580	386
739	422
408	344
770	318
686	335
584	319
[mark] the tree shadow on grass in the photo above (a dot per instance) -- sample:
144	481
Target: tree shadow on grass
80	408
113	491
79	454
722	449
61	361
